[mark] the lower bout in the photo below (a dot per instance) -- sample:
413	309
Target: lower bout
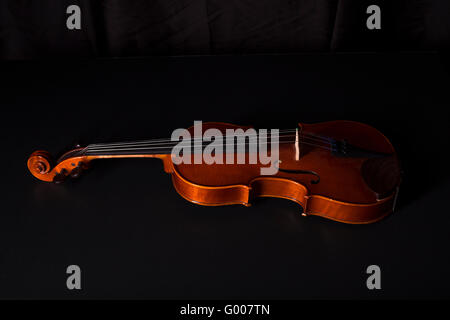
350	213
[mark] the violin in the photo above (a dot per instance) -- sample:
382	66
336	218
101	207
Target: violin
341	170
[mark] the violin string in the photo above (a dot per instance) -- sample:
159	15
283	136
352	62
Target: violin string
161	141
186	144
173	144
201	138
90	147
94	151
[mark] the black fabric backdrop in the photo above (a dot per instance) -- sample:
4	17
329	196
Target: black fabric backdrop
37	29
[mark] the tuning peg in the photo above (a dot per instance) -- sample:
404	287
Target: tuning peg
75	173
60	177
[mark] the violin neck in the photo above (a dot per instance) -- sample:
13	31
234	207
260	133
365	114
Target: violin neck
128	149
127	152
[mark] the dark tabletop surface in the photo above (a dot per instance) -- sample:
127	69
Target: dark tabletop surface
134	237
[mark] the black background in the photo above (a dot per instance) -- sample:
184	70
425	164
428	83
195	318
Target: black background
124	28
134	237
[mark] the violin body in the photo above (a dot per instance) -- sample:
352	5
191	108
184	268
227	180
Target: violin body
356	186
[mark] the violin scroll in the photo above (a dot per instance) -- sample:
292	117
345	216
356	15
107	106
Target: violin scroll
71	164
39	164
